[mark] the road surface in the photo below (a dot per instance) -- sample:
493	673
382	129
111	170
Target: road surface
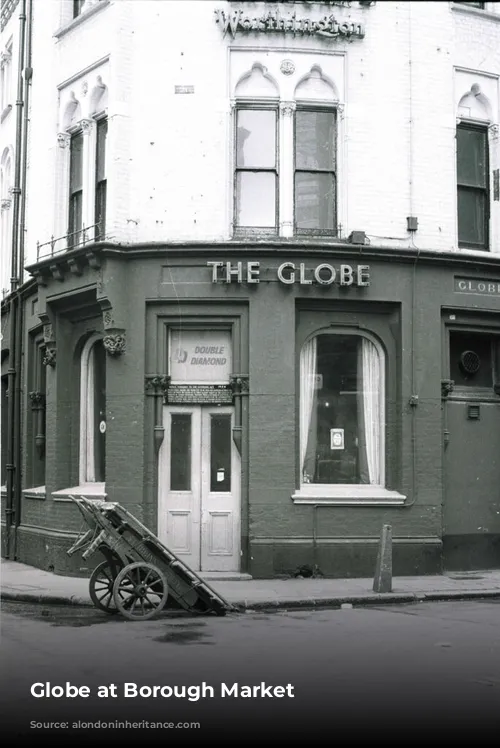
388	671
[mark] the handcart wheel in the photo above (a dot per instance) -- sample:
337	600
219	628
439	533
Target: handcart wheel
140	591
101	587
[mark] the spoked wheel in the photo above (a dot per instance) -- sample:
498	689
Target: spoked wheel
140	591
101	587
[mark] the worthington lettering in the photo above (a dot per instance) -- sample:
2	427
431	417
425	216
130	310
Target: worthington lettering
274	21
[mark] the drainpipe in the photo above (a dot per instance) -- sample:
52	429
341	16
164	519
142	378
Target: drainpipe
14	405
27	73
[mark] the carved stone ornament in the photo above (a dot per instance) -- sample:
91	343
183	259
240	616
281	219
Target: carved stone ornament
6	203
494	130
107	319
48	333
114	343
447	386
86	125
63	139
239	384
37	400
287	67
158	384
287	108
49	358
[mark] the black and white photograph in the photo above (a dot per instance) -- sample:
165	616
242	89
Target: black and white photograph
250	385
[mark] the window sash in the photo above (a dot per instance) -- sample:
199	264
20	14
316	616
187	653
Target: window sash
78	7
101	182
313	166
243	180
75	218
473	190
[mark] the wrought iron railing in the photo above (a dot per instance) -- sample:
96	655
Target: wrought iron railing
71	240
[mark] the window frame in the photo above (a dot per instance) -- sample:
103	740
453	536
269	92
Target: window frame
353	332
315	107
75	236
100	186
377	325
256	105
78	8
481	127
86	462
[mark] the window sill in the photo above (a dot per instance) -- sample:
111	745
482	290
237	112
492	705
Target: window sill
81	18
344	495
38	492
5	112
482	12
88	490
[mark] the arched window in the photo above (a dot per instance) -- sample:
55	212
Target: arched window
342	410
93	412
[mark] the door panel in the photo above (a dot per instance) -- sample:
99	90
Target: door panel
199	488
179	484
471	513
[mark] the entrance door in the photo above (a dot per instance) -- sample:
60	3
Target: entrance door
199	488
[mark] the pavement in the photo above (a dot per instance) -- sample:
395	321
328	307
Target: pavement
28	584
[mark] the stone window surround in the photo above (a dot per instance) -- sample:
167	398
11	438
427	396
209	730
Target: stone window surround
94	6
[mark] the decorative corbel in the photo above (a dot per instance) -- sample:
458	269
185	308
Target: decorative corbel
239	384
114	342
56	272
447	386
38	407
74	266
93	260
49	357
157	386
287	108
49	341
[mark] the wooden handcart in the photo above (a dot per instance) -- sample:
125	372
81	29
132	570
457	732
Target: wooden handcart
139	574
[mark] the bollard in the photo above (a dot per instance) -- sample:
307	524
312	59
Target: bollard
382	581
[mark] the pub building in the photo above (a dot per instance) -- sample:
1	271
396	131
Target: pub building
264	377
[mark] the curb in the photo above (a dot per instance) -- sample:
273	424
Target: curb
243	606
45	599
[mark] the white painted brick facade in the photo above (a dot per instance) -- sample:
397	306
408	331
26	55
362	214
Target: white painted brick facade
169	154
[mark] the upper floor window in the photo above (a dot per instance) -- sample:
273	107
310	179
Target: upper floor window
75	223
472	186
263	161
100	179
81	6
256	177
78	7
315	171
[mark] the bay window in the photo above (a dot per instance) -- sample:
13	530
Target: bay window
342	410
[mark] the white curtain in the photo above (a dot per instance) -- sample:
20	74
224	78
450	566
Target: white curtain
307	401
372	411
90	426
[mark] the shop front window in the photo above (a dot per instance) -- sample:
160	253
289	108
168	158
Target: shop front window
342	410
